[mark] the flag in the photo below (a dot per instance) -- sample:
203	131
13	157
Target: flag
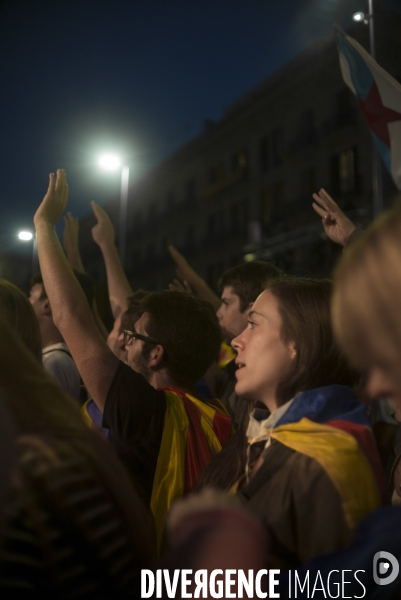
379	98
194	432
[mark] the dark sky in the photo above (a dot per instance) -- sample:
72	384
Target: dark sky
80	77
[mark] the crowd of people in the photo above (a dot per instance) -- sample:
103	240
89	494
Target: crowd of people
256	430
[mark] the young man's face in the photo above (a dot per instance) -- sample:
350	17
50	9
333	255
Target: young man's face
136	359
231	320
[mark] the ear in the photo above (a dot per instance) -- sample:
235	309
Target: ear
46	310
293	350
156	357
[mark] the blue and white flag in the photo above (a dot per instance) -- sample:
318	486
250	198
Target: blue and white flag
379	98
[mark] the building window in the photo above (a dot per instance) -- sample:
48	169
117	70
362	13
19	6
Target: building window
265	205
216	226
190	237
169	201
344	171
150	253
239	217
239	161
308	182
215	270
264	154
216	173
137	221
278	145
190	190
343	100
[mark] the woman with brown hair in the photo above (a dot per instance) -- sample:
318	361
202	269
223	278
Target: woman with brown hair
74	526
16	309
311	466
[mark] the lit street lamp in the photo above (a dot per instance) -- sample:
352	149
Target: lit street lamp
368	19
27	236
111	162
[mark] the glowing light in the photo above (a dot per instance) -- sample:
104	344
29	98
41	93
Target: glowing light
109	162
250	257
358	16
25	236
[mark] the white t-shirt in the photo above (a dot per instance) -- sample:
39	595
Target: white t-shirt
58	362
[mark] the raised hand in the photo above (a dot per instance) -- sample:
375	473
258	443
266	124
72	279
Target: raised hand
337	225
184	270
70	242
191	279
181	286
55	201
103	231
70	233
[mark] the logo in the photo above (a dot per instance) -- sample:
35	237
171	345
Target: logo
386	564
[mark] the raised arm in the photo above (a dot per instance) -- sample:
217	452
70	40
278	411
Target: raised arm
71	249
188	276
119	287
70	242
337	225
71	312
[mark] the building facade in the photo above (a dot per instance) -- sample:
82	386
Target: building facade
243	189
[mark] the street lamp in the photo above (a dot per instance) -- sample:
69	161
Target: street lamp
368	19
111	162
27	236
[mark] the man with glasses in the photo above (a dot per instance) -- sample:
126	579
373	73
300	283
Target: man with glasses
163	433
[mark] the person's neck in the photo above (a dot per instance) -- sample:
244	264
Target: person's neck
50	335
270	402
160	379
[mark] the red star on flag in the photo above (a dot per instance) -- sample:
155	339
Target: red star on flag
377	115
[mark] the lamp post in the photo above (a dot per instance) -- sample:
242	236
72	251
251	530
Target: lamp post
111	162
27	236
377	182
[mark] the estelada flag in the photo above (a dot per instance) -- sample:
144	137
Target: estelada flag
379	98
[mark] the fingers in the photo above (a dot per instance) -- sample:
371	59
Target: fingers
98	211
61	182
187	287
320	211
52	184
321	201
328	200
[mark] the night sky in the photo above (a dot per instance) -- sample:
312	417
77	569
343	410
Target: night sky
138	78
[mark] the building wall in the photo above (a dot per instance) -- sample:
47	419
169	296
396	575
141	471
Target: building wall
244	187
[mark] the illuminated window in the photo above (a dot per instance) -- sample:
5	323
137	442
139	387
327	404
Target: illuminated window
344	171
265	201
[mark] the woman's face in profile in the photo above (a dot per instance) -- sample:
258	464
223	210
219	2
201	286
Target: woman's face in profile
263	357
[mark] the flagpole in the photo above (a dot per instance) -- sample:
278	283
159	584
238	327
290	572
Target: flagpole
377	178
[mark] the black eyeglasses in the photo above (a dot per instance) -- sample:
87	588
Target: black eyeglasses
129	336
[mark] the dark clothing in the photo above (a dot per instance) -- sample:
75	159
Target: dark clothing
134	413
64	535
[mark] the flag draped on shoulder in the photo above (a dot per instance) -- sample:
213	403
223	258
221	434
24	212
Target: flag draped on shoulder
194	431
379	98
331	426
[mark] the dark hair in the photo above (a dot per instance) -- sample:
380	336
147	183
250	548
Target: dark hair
189	331
227	466
42	411
18	312
134	309
85	280
304	306
249	280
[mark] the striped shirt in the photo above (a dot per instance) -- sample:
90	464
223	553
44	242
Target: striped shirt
63	536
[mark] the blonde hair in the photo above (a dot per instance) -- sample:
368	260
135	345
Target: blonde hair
366	305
